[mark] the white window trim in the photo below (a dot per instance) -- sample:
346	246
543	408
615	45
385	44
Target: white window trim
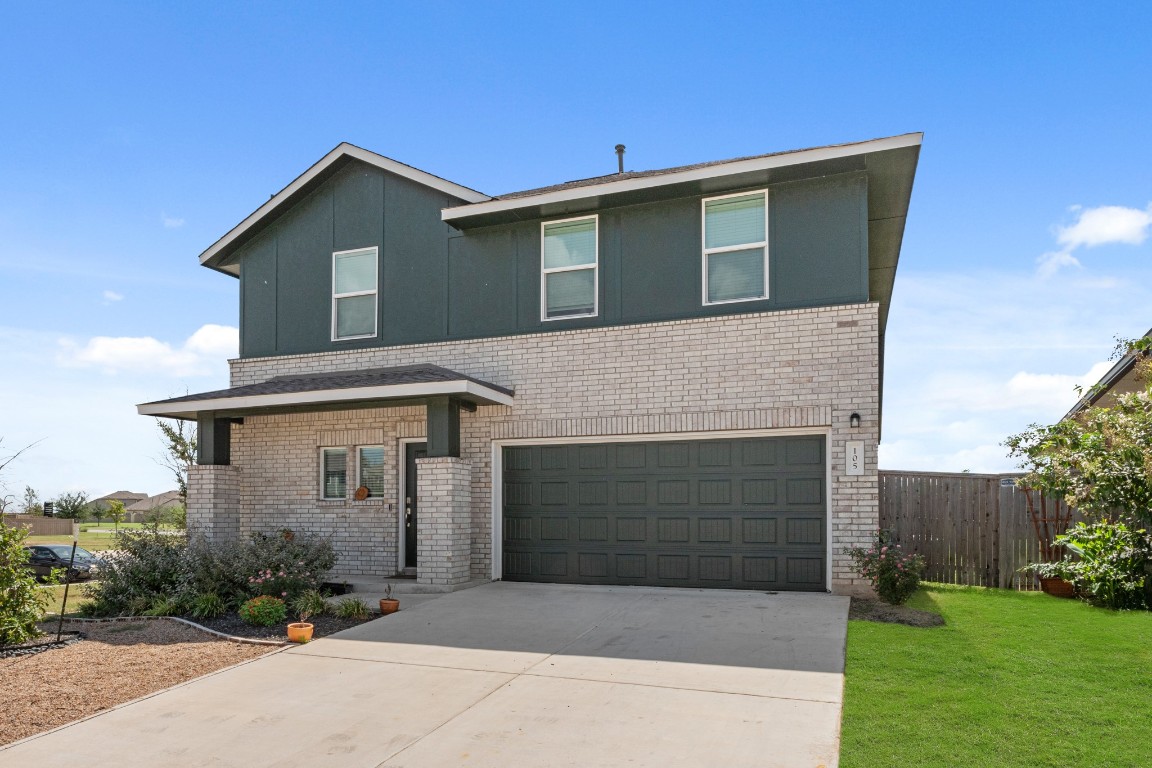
323	485
375	293
594	266
706	251
360	466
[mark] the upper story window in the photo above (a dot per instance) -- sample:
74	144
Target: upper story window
568	280
354	289
735	248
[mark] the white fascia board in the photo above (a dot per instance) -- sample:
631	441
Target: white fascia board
385	163
694	174
188	408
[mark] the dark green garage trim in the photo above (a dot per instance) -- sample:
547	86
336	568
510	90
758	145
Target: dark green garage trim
746	513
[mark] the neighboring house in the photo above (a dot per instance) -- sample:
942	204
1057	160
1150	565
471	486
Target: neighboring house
1122	378
127	498
161	501
665	377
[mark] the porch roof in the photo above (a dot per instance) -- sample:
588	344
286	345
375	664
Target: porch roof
326	390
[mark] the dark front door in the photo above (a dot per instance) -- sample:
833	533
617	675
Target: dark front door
412	451
745	513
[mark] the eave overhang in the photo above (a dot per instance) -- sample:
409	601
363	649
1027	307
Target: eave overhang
316	392
218	255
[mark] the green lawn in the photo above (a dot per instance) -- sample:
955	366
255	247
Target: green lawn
75	597
93	542
1012	679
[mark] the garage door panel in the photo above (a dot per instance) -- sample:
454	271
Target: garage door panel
743	513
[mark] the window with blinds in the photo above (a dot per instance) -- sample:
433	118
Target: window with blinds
354	291
371	469
735	248
568	284
333	473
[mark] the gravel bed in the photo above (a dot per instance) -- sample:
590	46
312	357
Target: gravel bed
231	624
876	610
117	662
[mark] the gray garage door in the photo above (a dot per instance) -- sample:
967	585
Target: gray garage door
740	514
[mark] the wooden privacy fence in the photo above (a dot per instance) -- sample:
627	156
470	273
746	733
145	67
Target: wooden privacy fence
41	526
972	529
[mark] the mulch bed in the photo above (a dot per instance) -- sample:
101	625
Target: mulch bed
232	624
875	610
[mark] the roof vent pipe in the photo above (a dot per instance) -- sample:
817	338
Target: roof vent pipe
620	157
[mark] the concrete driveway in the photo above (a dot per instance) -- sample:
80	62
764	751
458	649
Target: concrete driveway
509	675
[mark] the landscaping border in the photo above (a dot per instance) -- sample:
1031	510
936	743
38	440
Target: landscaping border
194	625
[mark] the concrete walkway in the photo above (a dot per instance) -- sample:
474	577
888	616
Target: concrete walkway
509	675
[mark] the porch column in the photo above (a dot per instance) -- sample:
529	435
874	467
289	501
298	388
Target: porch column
444	532
214	501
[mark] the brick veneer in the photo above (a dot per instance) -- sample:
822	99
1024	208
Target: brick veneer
792	369
214	501
444	533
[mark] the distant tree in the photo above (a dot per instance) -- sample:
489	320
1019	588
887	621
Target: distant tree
115	512
5	460
72	505
179	452
32	504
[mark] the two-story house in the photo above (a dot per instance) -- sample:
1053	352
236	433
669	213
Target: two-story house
665	377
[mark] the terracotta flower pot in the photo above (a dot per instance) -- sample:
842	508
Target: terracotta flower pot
299	632
388	606
1058	587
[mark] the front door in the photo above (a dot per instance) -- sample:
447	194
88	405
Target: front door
412	451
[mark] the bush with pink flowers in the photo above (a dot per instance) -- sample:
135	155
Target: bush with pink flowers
894	574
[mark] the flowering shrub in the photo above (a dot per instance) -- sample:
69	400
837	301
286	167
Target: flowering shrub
264	611
894	575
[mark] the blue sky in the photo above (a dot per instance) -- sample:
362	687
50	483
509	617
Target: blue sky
134	135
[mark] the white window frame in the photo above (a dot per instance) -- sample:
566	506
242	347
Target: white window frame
375	293
360	467
706	251
323	485
594	266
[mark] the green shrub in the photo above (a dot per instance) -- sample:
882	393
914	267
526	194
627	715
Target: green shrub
894	575
147	565
352	608
208	605
22	602
163	606
1110	568
308	604
264	611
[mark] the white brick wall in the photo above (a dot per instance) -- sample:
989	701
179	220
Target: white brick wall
444	531
787	369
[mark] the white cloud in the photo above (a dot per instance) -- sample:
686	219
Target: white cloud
171	222
202	354
1103	225
112	296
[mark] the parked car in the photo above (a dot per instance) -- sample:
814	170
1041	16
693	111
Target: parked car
44	558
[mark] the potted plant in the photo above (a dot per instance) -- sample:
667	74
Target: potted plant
308	604
388	604
1056	578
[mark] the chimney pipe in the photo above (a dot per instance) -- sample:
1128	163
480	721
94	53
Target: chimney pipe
620	157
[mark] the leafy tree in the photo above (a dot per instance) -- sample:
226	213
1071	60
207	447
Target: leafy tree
32	504
115	512
179	452
22	603
1100	461
73	505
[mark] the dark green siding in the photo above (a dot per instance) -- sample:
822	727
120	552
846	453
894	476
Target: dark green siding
439	284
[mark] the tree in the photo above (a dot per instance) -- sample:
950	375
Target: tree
1101	460
22	603
5	460
116	512
73	505
179	452
32	504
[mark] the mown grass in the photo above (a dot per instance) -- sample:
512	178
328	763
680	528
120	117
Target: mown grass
1012	679
76	595
93	542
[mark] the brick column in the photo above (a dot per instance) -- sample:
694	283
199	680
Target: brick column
214	501
444	526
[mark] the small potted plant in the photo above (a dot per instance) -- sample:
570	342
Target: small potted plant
388	604
1056	578
307	605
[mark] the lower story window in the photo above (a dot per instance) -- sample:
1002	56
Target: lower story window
334	473
371	472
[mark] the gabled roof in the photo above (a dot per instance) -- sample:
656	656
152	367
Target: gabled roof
149	503
217	255
125	496
1120	378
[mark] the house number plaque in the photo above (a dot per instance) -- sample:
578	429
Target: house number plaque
854	457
